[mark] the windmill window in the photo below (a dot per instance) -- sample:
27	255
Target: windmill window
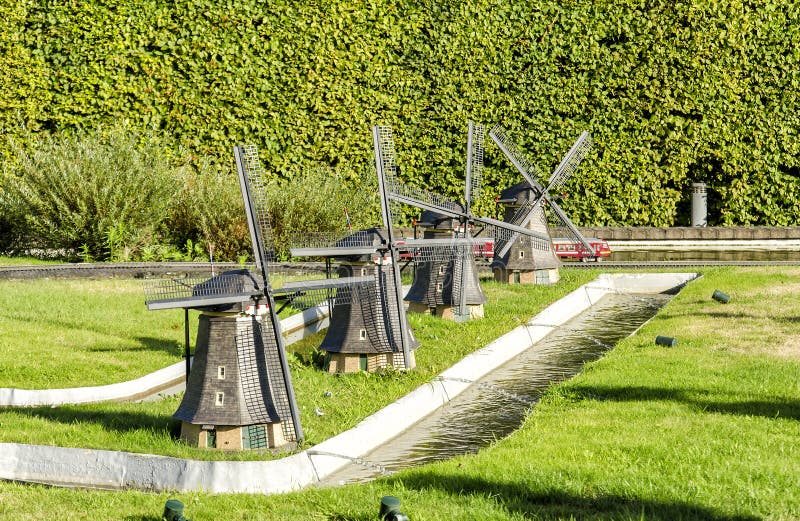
439	287
221	372
521	254
219	399
362	334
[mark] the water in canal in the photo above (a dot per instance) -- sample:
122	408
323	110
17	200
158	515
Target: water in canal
495	406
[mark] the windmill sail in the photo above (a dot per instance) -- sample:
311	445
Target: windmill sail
560	175
462	241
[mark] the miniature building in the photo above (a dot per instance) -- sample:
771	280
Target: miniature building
529	260
235	395
364	330
433	290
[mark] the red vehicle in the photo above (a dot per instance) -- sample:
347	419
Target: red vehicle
567	249
484	250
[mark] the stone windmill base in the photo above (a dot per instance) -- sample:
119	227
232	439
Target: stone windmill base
445	311
233	437
533	277
354	362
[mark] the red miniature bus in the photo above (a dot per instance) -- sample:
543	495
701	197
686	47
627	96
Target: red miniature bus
567	249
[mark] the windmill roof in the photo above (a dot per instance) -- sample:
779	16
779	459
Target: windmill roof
368	237
240	281
518	193
431	219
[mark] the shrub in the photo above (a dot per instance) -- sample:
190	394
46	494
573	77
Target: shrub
102	194
208	211
316	202
672	92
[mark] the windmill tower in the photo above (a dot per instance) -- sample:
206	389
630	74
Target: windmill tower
530	204
436	287
365	327
458	250
526	261
239	393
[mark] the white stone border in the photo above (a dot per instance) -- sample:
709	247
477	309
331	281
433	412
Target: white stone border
705	244
120	470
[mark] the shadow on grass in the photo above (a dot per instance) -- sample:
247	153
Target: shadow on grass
556	504
119	421
778	408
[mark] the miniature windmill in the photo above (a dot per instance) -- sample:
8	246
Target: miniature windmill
368	330
526	208
454	253
239	392
526	262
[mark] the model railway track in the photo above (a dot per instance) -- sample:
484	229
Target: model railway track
135	270
141	270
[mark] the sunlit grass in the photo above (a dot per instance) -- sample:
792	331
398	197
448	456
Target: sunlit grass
78	332
707	430
101	341
23	261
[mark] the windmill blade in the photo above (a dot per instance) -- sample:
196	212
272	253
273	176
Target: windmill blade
306	294
336	244
254	193
572	232
476	136
460	309
264	403
503	230
570	162
230	287
521	162
386	164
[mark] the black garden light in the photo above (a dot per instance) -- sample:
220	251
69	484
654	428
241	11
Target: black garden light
720	297
173	511
390	509
666	341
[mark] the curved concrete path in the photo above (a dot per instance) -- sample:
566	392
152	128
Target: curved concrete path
118	470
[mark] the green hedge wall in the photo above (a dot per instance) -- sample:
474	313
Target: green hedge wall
672	91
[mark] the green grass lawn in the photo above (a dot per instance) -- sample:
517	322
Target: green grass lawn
94	344
78	332
24	261
705	430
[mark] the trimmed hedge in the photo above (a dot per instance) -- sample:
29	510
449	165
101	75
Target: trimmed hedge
672	92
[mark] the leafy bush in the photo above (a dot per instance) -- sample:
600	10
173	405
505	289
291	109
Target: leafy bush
320	202
208	212
99	194
673	92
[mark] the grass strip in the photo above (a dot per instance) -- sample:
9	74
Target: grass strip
344	400
705	430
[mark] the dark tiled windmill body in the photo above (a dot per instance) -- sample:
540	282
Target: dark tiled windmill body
364	332
526	261
235	397
438	281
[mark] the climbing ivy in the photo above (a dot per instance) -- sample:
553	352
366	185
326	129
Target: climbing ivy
672	92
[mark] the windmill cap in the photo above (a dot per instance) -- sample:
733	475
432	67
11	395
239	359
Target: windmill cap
519	193
367	237
431	219
233	281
